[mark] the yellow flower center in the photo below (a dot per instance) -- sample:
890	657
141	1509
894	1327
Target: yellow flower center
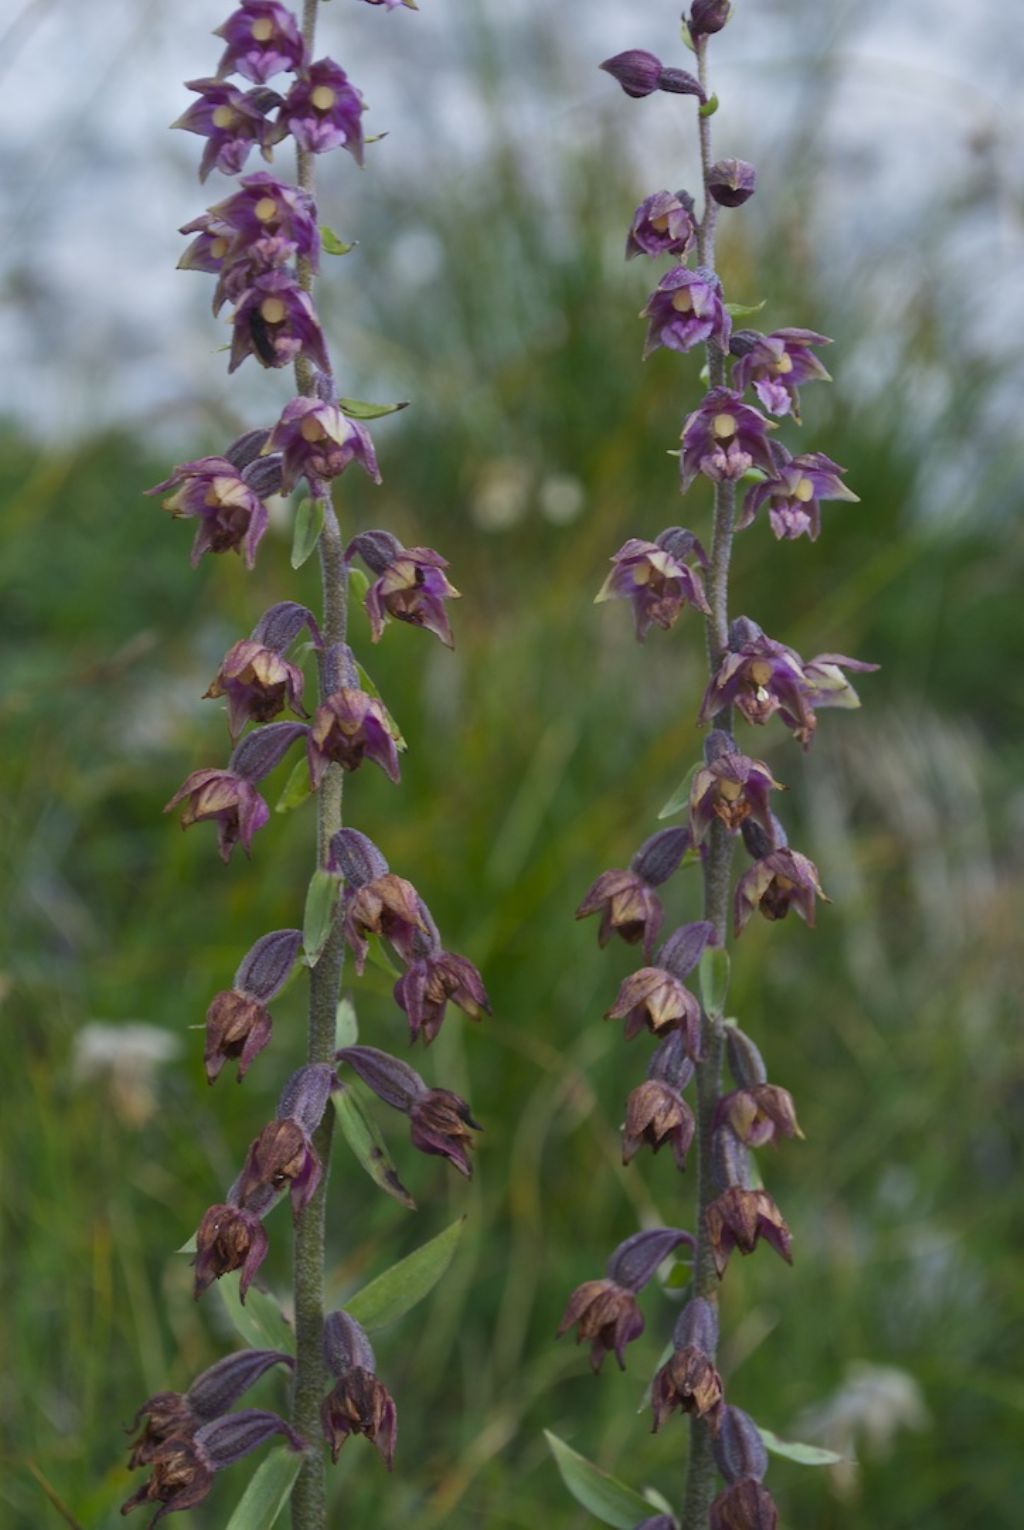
273	310
804	491
311	429
265	209
723	426
224	117
784	363
760	672
661	223
323	98
219	248
263	29
682	301
730	790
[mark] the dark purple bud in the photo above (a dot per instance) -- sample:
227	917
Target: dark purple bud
717	744
340	663
635	1261
730	1159
732	182
346	1345
739	1218
391	1080
264	749
684	948
356	857
660	856
226	1440
608	1318
670	1062
738	1446
378	550
440	1123
743	629
658	1522
744	1506
682	544
707	16
639	73
679	83
745	1061
247	448
237	1026
697	1327
305	1095
212	1393
756	841
264	970
280	626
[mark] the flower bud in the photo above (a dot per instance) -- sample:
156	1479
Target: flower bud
636	1260
226	1440
745	1061
213	1392
262	750
265	968
708	16
247	448
391	1080
356	857
639	73
660	856
670	1062
684	948
729	1159
305	1095
738	1446
346	1344
280	626
679	82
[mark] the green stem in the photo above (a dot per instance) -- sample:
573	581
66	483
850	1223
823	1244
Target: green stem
309	1497
701	1474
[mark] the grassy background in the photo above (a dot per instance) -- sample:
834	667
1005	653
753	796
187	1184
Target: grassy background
539	754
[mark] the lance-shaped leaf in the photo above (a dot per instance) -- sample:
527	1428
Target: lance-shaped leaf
680	797
636	1260
296	789
792	1450
321	902
359	409
260	1322
331	244
714	980
268	1491
604	1496
398	1290
364	1138
309	523
267	966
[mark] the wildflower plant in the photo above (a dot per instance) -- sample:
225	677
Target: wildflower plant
728	440
263	243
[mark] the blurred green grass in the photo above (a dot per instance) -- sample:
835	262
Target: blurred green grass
539	754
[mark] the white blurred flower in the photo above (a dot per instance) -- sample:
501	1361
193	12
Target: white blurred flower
561	498
503	495
124	1060
870	1408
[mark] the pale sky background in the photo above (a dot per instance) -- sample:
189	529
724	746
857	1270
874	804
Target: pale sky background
96	325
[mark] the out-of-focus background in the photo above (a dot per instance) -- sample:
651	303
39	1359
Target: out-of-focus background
489	288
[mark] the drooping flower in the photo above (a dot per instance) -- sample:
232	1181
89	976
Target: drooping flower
729	790
739	1218
317	442
628	906
349	727
777	366
238	272
746	1505
731	182
654	998
441	1124
606	1316
209	248
184	1469
228	799
688	1381
657	1114
662	225
275	321
793	494
282	1156
411	585
759	1114
263	39
781	880
723	439
686	310
232	516
323	111
229	1238
237	1026
655	578
232	122
259	684
429	982
387	906
265	205
177	1415
708	16
360	1404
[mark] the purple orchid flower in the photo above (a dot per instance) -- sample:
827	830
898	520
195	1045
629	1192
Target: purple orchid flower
228	799
317	441
232	516
777	366
323	111
411	585
655	578
263	39
233	122
275	321
266	205
662	225
349	727
686	310
793	494
723	439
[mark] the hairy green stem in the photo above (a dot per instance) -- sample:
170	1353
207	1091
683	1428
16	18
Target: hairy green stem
700	1479
309	1497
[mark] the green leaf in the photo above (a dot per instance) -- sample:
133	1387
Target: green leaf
806	1455
371	690
332	245
606	1497
321	902
188	1247
709	108
260	1322
269	1489
296	789
743	310
666	1355
363	1136
659	1501
309	522
359	409
680	797
687	36
358	583
394	1293
346	1025
713	973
